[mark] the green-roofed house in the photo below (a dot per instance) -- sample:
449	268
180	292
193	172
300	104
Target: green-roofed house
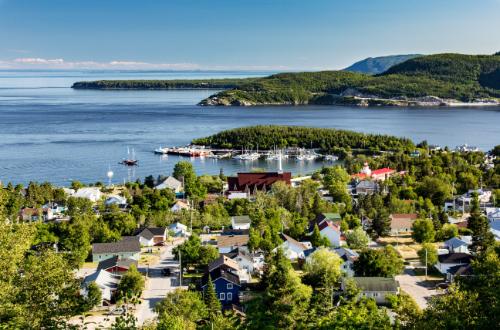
376	288
333	217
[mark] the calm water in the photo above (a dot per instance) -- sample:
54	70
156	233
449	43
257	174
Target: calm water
49	132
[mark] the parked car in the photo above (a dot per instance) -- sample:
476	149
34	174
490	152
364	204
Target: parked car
119	311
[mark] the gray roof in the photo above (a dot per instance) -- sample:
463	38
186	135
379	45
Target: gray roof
241	219
150	232
346	254
455	242
381	284
170	183
115	261
127	244
367	184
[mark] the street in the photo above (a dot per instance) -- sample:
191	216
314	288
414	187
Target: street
414	286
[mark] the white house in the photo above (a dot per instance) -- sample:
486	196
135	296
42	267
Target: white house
227	243
493	213
91	193
107	282
447	261
179	206
377	288
127	247
495	229
292	248
457	245
116	200
241	222
331	232
349	257
152	236
170	183
178	229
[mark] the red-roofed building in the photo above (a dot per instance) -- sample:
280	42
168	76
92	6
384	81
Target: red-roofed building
253	182
377	175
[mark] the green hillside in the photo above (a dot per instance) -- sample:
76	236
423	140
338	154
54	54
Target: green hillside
160	84
448	76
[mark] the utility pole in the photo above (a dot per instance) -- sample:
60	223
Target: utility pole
426	264
180	268
191	215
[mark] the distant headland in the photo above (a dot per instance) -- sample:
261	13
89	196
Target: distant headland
431	80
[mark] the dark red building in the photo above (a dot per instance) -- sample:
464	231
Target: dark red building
252	182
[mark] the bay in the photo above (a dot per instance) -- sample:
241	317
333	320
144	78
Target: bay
50	132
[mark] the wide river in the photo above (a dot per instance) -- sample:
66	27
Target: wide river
49	132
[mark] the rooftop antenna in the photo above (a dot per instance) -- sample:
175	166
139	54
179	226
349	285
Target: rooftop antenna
109	174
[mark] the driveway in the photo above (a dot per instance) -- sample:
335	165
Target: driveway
416	287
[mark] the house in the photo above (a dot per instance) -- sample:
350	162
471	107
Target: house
292	248
464	201
34	214
460	270
179	206
170	183
447	261
457	245
402	223
56	210
349	257
237	195
251	263
227	243
493	213
366	187
495	229
377	288
118	200
151	236
240	222
178	229
106	281
116	266
376	175
127	247
333	217
250	183
331	232
91	193
227	285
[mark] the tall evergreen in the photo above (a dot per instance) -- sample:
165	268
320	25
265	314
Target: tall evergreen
211	301
381	223
482	238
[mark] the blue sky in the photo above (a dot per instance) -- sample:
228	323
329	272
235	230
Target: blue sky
238	34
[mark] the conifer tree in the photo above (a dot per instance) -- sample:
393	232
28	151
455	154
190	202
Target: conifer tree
482	238
211	301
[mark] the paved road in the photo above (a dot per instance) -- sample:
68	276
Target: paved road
157	286
414	286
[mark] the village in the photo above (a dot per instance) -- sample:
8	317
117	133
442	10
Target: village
230	258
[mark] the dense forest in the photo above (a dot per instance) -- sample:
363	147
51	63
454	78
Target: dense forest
268	137
160	84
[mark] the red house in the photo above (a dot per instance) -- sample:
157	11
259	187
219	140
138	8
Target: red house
252	182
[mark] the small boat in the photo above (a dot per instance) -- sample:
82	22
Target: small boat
130	161
331	158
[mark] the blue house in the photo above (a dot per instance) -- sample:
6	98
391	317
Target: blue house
224	275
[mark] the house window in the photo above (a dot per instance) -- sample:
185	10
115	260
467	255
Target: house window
375	294
230	286
229	296
222	296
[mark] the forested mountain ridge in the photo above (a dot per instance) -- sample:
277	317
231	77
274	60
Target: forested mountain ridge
443	79
376	65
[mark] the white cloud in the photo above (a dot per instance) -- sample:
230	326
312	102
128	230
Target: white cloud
61	64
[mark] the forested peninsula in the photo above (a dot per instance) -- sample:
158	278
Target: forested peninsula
326	139
433	80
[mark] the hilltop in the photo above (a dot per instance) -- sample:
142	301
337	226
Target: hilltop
433	80
376	65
